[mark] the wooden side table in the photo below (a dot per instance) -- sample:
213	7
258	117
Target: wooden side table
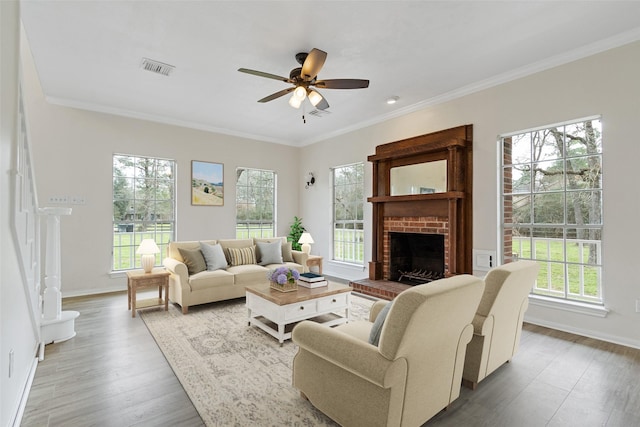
138	279
315	260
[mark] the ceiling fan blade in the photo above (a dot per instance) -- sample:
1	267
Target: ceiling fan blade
313	64
263	74
342	84
276	95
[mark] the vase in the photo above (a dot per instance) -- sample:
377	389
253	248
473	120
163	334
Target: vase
286	287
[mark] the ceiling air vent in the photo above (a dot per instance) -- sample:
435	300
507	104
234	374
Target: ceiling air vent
157	66
319	113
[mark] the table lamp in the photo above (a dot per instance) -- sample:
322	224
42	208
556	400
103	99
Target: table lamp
305	240
148	250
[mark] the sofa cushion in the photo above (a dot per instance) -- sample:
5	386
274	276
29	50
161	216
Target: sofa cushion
209	279
249	274
213	256
269	253
242	256
193	259
376	329
286	247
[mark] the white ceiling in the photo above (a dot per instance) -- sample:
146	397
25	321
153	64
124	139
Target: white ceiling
88	55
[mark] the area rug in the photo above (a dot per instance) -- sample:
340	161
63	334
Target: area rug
234	374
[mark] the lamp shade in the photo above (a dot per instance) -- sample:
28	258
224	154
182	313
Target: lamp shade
295	102
300	93
314	97
306	238
305	241
148	246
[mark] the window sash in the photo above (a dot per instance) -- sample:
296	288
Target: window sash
143	207
348	213
551	198
255	203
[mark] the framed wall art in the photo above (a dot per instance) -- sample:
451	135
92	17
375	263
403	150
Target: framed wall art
207	183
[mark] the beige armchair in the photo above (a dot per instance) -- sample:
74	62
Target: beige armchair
413	374
498	323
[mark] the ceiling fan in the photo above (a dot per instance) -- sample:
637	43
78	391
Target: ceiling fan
304	77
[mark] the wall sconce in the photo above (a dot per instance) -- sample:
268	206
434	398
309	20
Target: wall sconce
310	180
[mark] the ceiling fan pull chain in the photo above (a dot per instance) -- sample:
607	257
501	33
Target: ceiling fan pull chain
304	121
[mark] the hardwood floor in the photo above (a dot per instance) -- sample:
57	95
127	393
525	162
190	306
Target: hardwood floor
113	374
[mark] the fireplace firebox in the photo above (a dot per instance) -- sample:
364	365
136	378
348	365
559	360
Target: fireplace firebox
416	258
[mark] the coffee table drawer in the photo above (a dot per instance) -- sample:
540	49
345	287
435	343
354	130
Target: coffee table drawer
304	309
332	302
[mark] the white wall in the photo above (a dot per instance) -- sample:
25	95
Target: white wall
17	333
605	84
73	157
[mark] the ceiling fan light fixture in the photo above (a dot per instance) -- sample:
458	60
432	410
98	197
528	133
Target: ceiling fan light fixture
314	97
300	93
294	101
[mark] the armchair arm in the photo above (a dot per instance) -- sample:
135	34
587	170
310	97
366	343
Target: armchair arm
375	309
300	258
483	325
353	355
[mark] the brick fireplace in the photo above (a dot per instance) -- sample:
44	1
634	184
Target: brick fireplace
446	212
422	225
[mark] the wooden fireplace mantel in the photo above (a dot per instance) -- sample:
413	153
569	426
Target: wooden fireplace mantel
455	204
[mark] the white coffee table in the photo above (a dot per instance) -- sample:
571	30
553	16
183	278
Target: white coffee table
266	305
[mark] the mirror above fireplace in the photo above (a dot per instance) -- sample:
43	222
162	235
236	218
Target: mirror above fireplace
421	178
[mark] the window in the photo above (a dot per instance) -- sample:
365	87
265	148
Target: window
255	203
348	213
552	207
143	207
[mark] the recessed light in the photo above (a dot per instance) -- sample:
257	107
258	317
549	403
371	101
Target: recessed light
392	100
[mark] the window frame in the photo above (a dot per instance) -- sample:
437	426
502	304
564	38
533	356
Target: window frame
355	245
261	231
127	258
590	304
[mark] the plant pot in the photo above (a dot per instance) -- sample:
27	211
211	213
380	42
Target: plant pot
287	287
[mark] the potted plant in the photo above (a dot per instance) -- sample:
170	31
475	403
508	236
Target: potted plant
283	279
295	231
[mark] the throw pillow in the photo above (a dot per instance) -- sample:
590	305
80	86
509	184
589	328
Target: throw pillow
270	253
376	329
286	252
242	256
193	259
213	256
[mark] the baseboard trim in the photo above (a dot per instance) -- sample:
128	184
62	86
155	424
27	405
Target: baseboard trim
614	339
89	292
17	419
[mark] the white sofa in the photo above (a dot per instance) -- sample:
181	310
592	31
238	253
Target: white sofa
225	278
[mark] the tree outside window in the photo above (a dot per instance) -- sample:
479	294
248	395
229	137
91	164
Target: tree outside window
552	207
348	213
143	207
255	203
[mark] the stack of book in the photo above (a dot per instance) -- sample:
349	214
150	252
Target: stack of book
312	280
